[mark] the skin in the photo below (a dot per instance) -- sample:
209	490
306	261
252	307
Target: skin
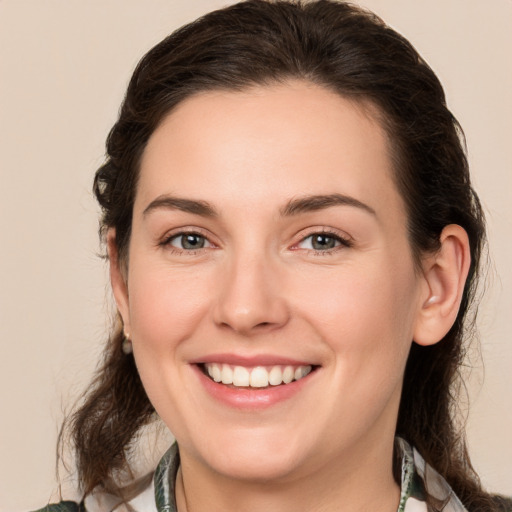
257	286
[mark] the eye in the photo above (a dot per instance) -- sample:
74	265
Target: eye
188	241
322	242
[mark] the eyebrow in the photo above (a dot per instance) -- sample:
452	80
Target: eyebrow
293	207
185	205
321	202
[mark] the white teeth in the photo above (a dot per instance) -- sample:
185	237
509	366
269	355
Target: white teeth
275	376
302	371
216	373
226	374
257	377
241	376
288	374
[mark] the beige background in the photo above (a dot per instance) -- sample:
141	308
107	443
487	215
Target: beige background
64	65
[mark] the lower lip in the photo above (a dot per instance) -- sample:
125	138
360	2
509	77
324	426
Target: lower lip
253	398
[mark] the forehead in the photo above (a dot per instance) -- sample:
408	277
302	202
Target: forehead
268	142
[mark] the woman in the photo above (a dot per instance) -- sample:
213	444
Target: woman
294	245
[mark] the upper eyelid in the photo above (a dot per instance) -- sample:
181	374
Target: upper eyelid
187	233
305	233
318	230
186	230
166	242
169	243
342	244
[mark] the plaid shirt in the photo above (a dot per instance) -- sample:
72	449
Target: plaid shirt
418	478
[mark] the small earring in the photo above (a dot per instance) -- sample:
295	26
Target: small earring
127	345
431	300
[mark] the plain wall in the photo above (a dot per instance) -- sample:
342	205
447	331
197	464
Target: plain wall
64	65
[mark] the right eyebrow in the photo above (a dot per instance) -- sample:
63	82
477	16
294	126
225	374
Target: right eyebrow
168	202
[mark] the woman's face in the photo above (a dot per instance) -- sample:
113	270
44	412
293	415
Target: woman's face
269	243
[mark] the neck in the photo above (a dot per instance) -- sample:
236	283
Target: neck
360	481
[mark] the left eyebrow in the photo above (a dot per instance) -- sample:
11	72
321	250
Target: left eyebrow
321	202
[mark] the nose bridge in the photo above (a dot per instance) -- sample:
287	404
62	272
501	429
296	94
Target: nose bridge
251	296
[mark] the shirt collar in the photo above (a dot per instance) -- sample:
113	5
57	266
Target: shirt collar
418	478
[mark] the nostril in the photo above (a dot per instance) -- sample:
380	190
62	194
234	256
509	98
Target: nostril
252	315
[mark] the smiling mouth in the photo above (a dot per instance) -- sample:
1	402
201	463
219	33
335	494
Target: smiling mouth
256	377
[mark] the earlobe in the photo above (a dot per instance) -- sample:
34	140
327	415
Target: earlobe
118	280
445	274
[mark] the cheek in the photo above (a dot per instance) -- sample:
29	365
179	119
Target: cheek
165	305
363	311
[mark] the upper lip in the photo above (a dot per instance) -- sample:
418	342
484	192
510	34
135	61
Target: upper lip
251	361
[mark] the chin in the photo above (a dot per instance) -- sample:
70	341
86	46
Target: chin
256	467
255	457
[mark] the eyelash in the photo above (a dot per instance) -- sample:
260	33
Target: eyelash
343	242
166	242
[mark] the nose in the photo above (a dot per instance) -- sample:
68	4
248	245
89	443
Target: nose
251	298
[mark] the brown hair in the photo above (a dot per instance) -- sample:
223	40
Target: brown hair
348	50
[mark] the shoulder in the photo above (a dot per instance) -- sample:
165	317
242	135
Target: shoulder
63	506
503	503
420	479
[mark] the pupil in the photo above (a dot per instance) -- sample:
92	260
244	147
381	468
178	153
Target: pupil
192	242
323	242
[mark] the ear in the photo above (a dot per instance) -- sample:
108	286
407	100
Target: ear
118	280
445	274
